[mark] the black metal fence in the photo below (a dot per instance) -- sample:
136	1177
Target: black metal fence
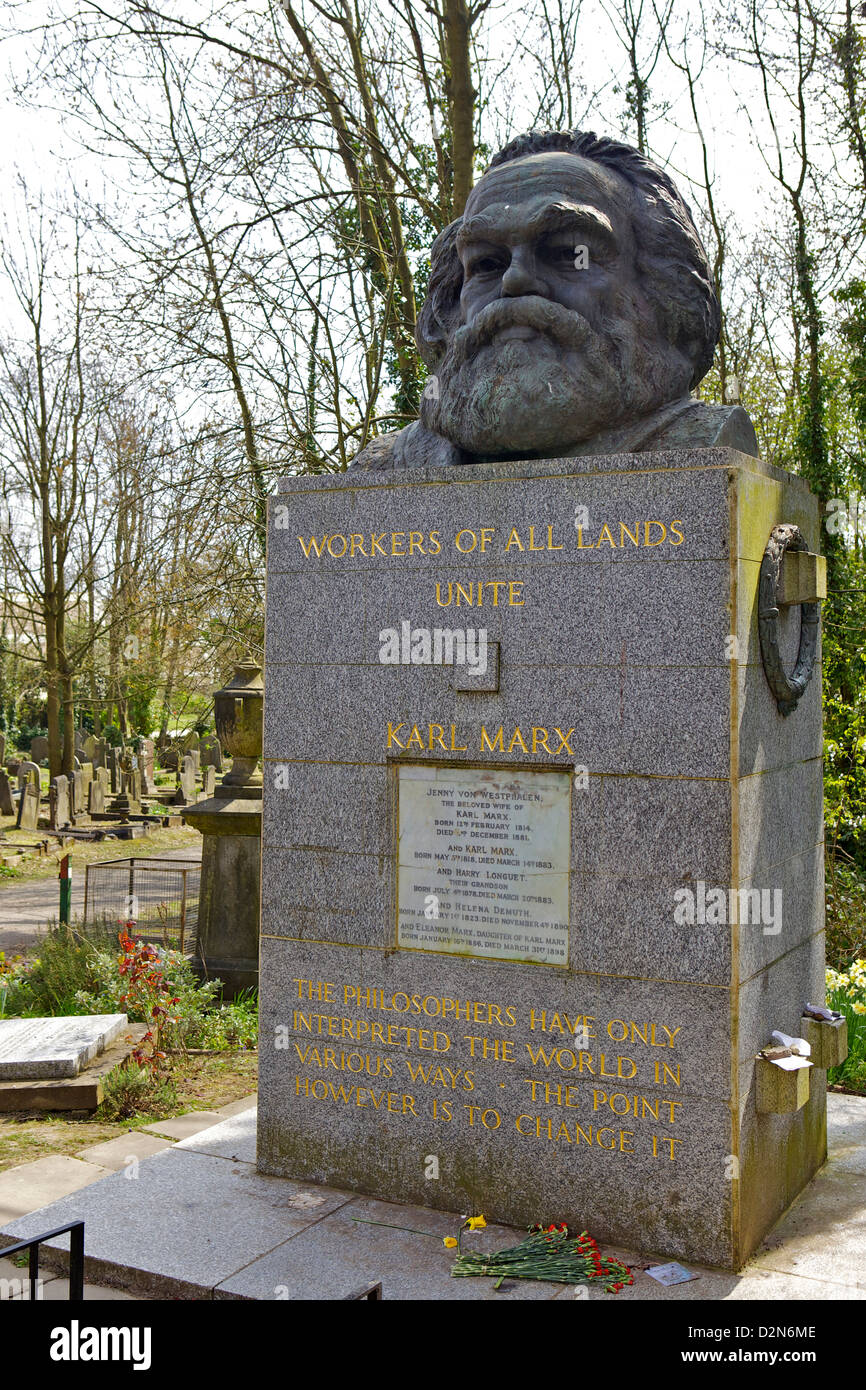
76	1258
160	896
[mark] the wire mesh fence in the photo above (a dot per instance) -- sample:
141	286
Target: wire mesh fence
159	895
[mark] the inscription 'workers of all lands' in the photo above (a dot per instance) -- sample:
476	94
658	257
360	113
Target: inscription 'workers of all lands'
483	858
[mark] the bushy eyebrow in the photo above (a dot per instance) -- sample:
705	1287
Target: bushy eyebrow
504	226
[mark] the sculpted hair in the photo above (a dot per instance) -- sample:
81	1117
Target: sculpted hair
671	260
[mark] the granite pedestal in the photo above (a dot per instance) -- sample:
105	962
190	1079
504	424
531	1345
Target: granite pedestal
519	747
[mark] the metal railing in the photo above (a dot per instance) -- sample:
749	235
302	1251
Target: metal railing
159	895
76	1258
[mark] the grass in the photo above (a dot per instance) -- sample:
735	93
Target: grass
201	1083
82	853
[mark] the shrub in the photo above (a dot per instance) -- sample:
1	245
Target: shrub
846	992
846	912
132	1090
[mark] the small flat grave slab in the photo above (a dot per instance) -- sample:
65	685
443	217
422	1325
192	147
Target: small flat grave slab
38	1049
184	1126
122	1152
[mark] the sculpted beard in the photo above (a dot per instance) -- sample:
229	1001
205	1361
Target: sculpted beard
561	386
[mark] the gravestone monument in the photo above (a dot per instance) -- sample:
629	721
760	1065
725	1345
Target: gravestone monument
7	801
230	821
28	808
58	804
147	765
39	749
170	759
115	769
79	798
28	772
542	828
208	780
96	795
211	753
187	777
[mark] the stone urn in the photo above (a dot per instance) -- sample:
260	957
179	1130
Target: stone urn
238	712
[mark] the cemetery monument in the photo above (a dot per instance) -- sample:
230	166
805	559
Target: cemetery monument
542	824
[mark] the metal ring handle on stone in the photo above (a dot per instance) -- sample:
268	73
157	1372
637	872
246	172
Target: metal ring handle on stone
787	689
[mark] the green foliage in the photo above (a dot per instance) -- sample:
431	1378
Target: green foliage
82	971
51	982
846	913
844	674
131	1091
846	992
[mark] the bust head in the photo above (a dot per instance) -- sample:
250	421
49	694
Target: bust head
573	295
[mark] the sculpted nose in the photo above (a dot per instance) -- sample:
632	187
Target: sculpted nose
520	277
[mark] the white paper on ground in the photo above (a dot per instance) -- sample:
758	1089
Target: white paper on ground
670	1274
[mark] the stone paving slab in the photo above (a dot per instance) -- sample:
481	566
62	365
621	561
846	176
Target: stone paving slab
30	1186
116	1153
38	1049
199	1220
16	1288
339	1255
234	1138
211	1227
237	1107
184	1126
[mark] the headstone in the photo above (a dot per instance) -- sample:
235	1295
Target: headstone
195	754
100	753
90	747
190	743
28	808
96	797
59	817
135	785
211	753
506	892
187	778
79	798
76	763
7	801
12	766
33	1049
104	779
115	769
39	749
170	759
146	759
80	741
29	772
208	780
87	775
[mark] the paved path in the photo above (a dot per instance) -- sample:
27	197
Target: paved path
201	1223
25	908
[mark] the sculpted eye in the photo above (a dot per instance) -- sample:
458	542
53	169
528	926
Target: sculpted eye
487	265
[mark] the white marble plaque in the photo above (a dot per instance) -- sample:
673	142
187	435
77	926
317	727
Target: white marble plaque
483	860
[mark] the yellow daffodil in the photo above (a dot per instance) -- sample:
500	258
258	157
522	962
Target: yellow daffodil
476	1223
859	1008
450	1242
